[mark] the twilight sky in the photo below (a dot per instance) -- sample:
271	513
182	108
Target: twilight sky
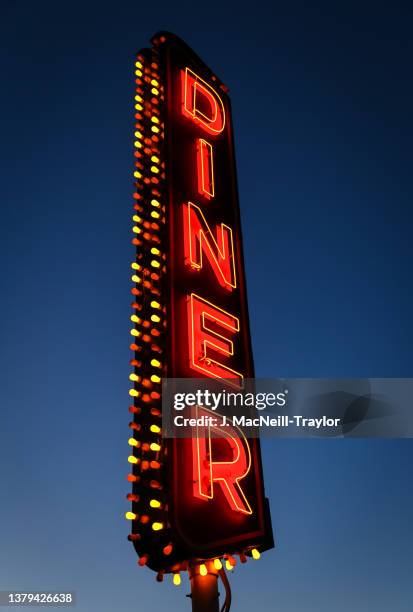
322	99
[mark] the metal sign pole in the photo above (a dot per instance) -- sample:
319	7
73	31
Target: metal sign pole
204	590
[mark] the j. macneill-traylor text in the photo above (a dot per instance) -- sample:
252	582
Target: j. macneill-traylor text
259	421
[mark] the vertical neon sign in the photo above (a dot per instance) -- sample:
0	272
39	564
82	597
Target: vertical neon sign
191	320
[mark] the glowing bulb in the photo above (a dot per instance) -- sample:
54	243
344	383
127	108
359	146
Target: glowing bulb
136	279
139	73
154	119
135	266
138	144
155	91
228	565
177	579
155	363
217	564
203	569
135	319
131	516
155	429
132	459
133	393
138	134
255	554
155	378
155	447
155	129
154	82
155	318
155	159
139	107
157	526
138	98
155	169
155	264
135	332
155	251
134	377
133	442
155	304
155	203
154	503
155	215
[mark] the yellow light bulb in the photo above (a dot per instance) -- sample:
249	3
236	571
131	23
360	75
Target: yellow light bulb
155	251
139	73
132	459
155	318
217	564
136	229
135	266
138	98
157	526
133	442
138	64
155	203
155	447
228	565
154	119
155	429
155	215
155	91
138	134
135	318
133	393
155	169
135	332
131	516
155	159
155	264
155	363
137	174
255	554
155	304
155	378
155	129
139	107
134	377
203	569
177	579
138	144
154	82
154	503
136	279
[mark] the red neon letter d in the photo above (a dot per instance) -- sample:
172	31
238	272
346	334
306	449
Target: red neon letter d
202	103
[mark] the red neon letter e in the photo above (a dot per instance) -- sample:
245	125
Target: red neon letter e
209	331
202	103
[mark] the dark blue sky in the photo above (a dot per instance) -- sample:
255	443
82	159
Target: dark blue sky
322	100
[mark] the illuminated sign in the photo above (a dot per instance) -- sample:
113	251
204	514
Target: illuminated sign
198	499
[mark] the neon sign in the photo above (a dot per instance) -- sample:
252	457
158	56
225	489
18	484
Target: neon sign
201	499
227	473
